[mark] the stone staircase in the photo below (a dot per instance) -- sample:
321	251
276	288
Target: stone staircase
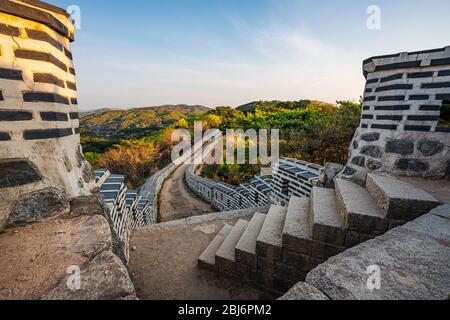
275	251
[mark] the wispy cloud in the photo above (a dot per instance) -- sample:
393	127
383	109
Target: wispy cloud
274	62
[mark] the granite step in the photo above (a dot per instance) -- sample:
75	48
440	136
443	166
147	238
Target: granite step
270	241
226	254
328	224
208	258
359	209
297	232
400	200
246	247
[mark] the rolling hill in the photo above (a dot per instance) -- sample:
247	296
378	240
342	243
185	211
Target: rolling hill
134	123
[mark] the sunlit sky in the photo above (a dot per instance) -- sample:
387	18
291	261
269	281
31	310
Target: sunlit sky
141	53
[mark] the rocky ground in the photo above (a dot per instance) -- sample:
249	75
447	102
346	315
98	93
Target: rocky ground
178	202
36	257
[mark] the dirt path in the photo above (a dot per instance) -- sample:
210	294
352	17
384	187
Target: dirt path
178	202
163	264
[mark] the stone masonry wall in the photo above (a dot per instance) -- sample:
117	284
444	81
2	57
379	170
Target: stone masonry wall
39	126
399	132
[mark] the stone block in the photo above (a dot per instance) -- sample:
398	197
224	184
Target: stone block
270	240
402	147
304	263
372	151
104	278
323	251
15	173
355	238
399	200
304	292
38	205
414	266
297	228
429	147
370	137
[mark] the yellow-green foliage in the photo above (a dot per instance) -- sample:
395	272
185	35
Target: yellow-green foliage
310	130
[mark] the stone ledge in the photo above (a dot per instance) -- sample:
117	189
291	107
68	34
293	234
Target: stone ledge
35	257
413	260
104	278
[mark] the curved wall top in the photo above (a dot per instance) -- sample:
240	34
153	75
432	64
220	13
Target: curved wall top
39	126
400	132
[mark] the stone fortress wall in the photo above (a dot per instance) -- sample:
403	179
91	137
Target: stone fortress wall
39	126
400	133
127	209
289	178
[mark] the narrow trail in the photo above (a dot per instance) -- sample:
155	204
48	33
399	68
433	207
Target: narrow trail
163	261
178	202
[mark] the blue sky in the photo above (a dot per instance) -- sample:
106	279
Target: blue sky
229	52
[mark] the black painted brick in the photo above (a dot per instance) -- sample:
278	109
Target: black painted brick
48	78
390	117
372	98
43	36
71	85
440	62
364	126
419	75
393	108
72	71
367	116
436	85
368	90
76	130
366	108
372	81
426	51
39	56
393	77
44	97
68	54
395	87
15	115
384	126
1	96
416	97
443	129
74	115
5	136
391	98
47	134
423	118
73	100
15	173
443	96
417	128
380	57
399	65
54	116
444	73
9	30
10	74
429	108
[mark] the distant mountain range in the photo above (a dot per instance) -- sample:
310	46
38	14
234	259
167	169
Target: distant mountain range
134	123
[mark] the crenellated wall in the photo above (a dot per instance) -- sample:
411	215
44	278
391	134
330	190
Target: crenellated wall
39	126
400	132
